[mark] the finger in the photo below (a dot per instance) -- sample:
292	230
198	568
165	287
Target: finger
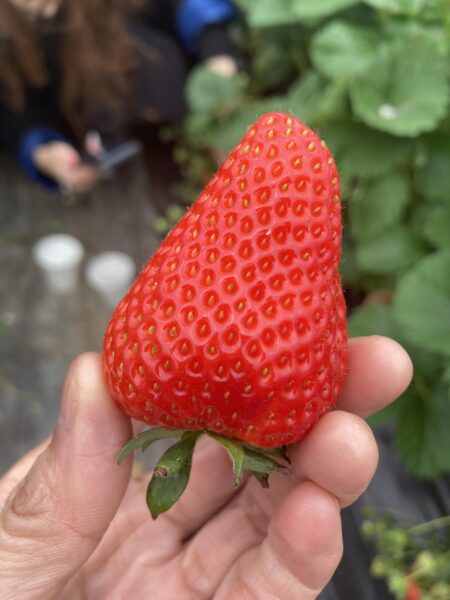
93	143
156	542
340	455
210	487
379	371
54	519
18	471
299	555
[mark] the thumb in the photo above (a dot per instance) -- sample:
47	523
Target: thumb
55	518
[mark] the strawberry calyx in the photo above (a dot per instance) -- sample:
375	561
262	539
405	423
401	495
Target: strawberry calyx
171	472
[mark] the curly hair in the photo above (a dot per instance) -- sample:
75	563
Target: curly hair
95	58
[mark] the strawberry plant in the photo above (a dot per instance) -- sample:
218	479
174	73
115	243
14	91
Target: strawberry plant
413	559
372	77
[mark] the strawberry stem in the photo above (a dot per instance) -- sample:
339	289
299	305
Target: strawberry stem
237	453
144	439
171	473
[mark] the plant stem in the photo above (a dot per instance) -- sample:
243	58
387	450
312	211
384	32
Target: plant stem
429	525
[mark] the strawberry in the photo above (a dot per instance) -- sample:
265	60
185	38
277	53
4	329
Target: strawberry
413	592
236	326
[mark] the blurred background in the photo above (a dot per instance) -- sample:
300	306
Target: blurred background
112	120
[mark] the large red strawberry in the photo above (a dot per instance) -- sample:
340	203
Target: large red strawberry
236	326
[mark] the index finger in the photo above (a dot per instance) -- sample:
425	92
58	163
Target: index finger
379	371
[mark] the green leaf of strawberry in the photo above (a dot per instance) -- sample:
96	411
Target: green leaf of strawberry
171	474
236	326
237	453
144	439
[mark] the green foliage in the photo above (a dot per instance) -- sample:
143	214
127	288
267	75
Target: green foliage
410	557
376	319
389	251
422	303
270	13
209	93
433	173
378	205
404	91
365	153
342	51
373	78
435	227
422	433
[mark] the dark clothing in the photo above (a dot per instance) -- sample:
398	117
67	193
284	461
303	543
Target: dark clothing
173	31
42	106
198	24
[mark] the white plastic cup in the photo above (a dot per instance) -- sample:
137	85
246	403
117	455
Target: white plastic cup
110	274
59	256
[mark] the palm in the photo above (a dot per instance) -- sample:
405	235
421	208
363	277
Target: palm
215	541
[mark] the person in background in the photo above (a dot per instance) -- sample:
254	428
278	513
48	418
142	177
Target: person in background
71	66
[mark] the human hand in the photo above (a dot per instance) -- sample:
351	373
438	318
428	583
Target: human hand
74	526
61	162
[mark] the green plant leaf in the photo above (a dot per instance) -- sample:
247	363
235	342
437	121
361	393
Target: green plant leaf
312	99
433	177
341	50
377	319
446	376
171	475
145	438
226	134
174	213
257	462
207	92
405	90
348	268
160	225
280	452
380	319
422	433
269	66
237	453
364	152
271	13
392	250
408	7
377	206
435	226
266	13
313	9
422	303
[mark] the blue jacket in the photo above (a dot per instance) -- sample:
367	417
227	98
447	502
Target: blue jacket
193	16
28	143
